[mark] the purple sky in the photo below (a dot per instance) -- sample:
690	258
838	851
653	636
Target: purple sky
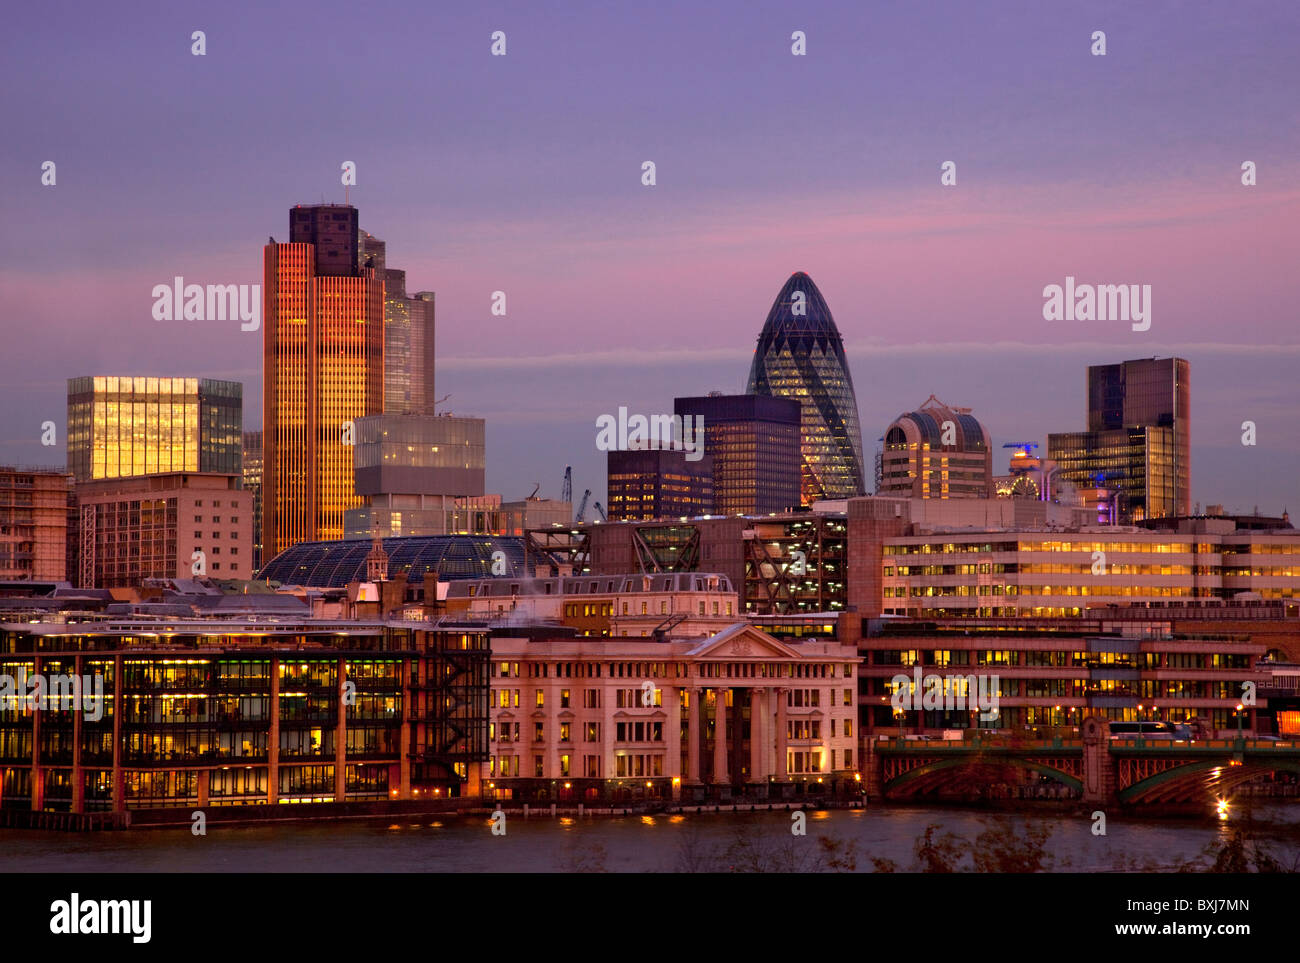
522	173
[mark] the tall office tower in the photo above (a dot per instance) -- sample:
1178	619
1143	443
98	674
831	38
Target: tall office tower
253	484
323	367
936	452
1148	393
124	427
754	443
800	355
408	335
645	484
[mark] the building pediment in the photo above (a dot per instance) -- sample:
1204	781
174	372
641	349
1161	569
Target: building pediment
742	641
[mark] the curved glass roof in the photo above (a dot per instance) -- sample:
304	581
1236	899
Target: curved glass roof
335	564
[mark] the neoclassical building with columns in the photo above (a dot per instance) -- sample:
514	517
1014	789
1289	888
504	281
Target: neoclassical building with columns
737	712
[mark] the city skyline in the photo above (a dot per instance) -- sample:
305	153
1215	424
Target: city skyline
922	277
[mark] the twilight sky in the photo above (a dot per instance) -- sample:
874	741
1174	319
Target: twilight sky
522	173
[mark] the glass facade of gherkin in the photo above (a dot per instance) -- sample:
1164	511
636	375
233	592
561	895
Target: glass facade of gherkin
800	355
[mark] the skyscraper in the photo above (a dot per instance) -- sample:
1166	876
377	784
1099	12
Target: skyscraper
1148	393
754	443
323	367
125	427
408	335
800	355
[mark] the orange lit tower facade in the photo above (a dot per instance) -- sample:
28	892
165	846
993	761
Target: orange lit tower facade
323	367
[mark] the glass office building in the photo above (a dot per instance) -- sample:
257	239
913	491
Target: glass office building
1149	392
754	443
800	355
1138	464
125	427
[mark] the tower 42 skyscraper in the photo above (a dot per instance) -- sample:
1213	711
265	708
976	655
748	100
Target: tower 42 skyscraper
800	355
323	367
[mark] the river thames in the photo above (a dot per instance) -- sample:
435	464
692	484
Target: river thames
634	844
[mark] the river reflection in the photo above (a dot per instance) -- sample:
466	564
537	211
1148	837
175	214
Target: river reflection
842	839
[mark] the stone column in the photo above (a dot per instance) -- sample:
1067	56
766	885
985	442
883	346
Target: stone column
696	723
673	738
720	774
757	727
781	695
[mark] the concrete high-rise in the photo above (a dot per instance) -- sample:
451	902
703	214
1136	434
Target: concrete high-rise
323	367
754	443
800	354
126	427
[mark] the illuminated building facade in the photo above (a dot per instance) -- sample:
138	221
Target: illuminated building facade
754	443
223	712
124	427
1148	392
1137	467
1054	675
162	526
645	484
937	452
323	367
573	720
800	355
34	520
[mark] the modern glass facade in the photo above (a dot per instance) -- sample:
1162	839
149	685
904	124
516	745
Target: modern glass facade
323	364
754	443
125	427
1139	464
644	485
800	355
1149	392
408	335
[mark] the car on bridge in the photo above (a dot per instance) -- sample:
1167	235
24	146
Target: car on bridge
1166	731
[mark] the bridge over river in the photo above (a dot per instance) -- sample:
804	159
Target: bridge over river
1094	768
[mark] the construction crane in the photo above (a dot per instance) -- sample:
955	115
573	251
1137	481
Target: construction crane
440	401
582	507
601	509
566	493
537	486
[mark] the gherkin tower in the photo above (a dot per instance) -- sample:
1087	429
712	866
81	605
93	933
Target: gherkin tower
800	355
